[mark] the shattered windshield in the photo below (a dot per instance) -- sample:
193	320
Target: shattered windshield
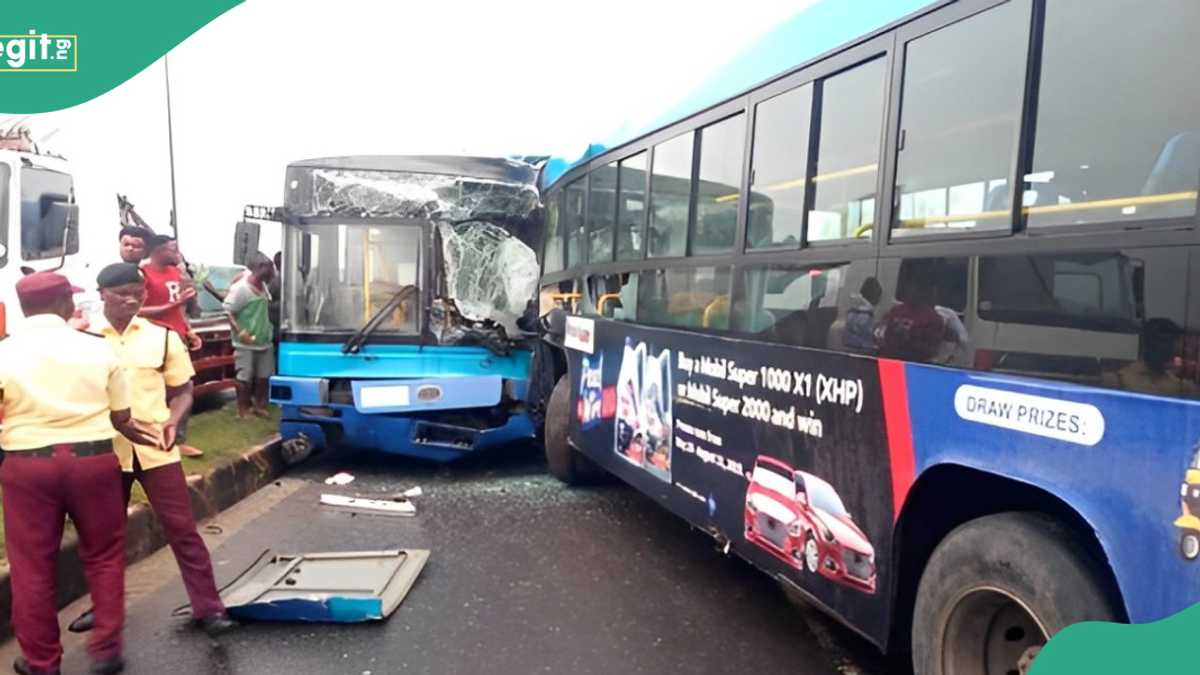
485	229
403	194
339	276
489	273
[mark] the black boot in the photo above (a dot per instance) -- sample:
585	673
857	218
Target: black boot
217	624
84	623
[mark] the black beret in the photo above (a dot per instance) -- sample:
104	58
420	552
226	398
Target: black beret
119	274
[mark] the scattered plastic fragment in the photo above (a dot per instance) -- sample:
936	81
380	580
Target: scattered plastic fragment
379	506
412	492
340	478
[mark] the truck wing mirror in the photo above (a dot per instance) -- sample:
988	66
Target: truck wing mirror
245	242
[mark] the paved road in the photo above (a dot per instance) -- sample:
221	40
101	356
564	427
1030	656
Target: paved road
526	576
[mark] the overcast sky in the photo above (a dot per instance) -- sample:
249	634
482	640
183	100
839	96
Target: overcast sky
273	81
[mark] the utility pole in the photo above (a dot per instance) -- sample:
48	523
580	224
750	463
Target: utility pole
171	150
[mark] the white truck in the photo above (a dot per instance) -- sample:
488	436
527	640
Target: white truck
39	220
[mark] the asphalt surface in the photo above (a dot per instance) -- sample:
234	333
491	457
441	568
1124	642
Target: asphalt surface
525	576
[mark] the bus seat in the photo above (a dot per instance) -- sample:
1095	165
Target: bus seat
1177	168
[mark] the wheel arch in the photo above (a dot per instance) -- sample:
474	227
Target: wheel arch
948	495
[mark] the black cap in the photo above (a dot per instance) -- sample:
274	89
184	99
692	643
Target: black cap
158	240
119	274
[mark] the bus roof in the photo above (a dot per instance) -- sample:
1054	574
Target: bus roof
493	168
814	32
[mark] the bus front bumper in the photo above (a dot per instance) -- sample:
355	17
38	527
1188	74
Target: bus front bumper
439	419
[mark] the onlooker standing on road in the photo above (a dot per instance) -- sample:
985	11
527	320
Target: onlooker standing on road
64	393
248	303
133	242
167	293
159	372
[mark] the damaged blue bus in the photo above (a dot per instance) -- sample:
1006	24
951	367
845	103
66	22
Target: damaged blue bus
403	281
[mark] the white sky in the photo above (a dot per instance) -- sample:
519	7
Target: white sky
274	81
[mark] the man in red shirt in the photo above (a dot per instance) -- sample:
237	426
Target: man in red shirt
167	294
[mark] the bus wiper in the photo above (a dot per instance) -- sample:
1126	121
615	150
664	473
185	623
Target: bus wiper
356	341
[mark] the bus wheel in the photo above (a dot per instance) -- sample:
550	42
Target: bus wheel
995	590
1189	544
565	462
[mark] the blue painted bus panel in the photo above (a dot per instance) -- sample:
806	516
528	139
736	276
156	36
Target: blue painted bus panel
410	435
378	361
1126	485
378	396
803	459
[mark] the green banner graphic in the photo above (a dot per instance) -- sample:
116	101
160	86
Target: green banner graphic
54	55
1098	648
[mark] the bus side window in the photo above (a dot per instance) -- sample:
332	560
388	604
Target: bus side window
670	197
688	297
790	304
1117	163
615	295
923	320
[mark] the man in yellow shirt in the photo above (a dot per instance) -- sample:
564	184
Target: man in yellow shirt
65	399
160	372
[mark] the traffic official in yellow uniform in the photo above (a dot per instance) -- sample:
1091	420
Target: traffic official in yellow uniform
160	372
65	398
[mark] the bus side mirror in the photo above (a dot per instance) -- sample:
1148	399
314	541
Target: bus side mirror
245	242
554	324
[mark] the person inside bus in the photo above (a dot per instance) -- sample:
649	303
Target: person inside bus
913	329
859	330
1151	373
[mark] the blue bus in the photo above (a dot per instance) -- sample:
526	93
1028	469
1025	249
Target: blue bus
899	309
405	284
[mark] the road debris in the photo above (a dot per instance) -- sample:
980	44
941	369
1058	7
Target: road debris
337	587
340	478
386	507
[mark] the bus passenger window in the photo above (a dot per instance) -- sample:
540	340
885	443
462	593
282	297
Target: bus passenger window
552	252
670	196
689	297
602	210
779	161
721	148
571	220
958	124
615	295
848	154
1135	155
924	324
631	207
792	305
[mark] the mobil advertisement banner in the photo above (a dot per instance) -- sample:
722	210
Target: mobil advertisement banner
779	451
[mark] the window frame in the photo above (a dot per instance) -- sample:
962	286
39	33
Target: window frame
880	47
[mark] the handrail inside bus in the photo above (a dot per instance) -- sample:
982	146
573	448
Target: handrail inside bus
604	299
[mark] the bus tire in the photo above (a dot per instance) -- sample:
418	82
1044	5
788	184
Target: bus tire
564	462
995	589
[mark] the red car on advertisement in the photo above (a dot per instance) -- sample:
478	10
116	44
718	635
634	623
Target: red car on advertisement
799	519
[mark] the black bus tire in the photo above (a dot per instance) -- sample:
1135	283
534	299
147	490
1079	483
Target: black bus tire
991	584
564	462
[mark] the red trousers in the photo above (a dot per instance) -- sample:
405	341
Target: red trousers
38	493
166	488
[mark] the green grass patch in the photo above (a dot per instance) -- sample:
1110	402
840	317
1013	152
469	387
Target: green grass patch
220	433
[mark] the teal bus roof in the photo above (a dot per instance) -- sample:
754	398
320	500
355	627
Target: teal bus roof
817	30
